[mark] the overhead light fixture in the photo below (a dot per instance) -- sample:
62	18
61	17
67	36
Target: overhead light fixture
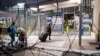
20	5
42	6
55	4
77	1
34	9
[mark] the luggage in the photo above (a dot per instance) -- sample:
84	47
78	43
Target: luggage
43	36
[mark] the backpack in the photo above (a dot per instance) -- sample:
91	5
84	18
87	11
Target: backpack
9	30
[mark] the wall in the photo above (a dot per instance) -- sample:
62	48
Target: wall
96	17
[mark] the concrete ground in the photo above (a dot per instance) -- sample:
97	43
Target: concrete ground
57	45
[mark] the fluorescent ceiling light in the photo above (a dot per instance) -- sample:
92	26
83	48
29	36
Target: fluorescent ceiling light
55	4
34	9
43	6
20	5
77	1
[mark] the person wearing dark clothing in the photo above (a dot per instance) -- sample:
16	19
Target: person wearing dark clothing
0	32
12	33
48	27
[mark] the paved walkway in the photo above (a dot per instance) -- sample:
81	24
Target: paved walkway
59	43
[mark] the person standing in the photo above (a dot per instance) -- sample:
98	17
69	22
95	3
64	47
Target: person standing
48	27
12	33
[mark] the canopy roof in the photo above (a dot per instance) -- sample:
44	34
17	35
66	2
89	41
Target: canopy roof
7	14
45	5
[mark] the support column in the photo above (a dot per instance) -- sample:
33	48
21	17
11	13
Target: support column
39	21
39	28
80	23
96	19
25	18
96	16
18	17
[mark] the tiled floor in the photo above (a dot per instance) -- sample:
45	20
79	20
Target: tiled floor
60	43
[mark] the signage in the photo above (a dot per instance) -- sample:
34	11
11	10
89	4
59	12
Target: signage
57	23
86	21
49	19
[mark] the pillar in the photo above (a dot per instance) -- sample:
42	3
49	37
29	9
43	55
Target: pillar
96	17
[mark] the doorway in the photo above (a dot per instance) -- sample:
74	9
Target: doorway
69	22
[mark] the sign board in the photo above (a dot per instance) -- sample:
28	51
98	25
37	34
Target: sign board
86	21
56	20
57	23
49	19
